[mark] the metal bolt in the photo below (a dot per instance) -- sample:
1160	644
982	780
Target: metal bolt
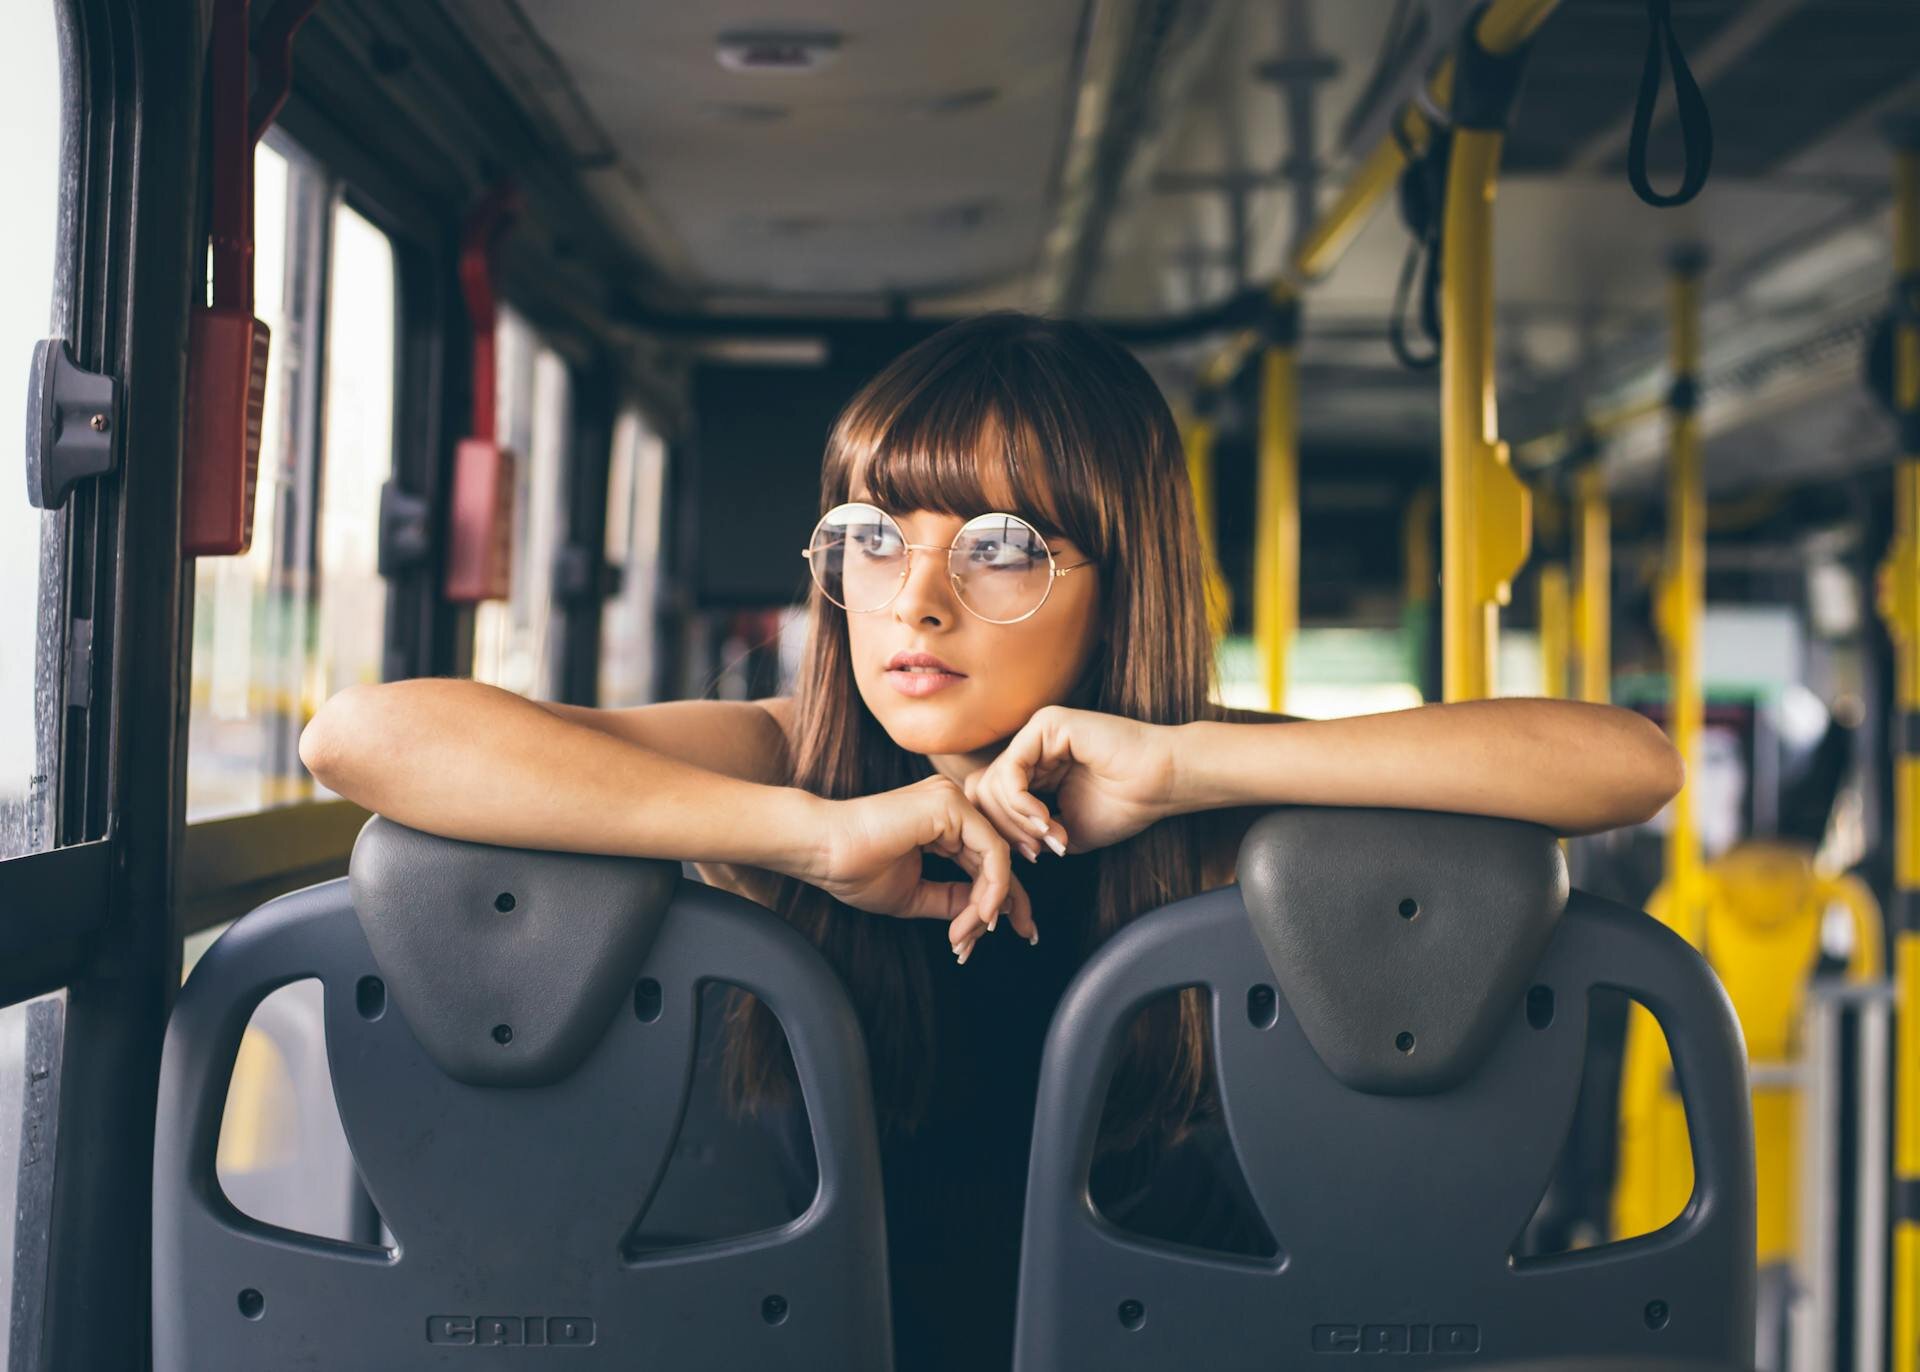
98	423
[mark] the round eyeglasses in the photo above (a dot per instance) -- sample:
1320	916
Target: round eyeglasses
999	566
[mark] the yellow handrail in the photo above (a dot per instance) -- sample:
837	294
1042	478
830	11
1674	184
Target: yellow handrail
1485	511
1593	554
1900	608
1548	448
1276	547
1198	438
1556	630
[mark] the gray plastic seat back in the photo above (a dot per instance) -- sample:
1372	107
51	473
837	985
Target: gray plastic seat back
510	1036
1398	1090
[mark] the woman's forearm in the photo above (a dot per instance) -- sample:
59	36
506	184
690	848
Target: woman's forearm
1574	767
471	761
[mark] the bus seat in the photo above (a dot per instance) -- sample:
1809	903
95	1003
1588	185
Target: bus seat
511	1036
1399	1018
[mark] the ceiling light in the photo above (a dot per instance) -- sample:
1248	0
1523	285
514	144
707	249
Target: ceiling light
776	53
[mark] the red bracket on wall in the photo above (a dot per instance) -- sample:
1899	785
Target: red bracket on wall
480	531
226	345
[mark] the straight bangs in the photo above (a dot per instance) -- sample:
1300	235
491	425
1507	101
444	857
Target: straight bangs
981	433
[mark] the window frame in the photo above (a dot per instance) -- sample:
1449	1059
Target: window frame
91	913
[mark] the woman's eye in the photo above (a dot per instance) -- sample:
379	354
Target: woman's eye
875	542
1001	554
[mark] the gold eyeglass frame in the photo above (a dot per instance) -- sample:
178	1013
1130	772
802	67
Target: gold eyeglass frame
1054	570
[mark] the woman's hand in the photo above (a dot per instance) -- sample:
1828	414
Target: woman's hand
870	859
1110	778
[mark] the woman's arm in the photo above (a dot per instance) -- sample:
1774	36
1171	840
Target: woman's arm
471	761
1572	766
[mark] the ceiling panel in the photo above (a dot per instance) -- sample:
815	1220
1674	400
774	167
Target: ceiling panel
921	157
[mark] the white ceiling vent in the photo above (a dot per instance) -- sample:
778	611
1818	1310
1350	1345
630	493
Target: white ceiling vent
776	53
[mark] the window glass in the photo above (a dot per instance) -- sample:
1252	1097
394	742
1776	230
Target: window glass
358	458
30	107
635	488
302	612
511	642
31	100
247	609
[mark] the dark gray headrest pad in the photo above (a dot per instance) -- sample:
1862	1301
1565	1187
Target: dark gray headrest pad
507	963
1397	1003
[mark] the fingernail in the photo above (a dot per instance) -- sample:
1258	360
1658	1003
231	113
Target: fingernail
1056	845
1033	853
963	954
1038	825
1034	937
991	922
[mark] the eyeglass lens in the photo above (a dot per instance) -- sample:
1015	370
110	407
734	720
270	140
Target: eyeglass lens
998	563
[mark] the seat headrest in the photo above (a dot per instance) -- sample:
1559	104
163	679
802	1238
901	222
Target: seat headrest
1401	939
507	963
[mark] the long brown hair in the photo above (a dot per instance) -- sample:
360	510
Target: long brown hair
1088	444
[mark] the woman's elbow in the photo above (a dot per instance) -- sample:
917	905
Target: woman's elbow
328	743
1659	771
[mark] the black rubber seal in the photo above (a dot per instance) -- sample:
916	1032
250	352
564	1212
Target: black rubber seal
1906	1200
1906	911
1683	397
1583	449
1906	300
1485	85
1280	324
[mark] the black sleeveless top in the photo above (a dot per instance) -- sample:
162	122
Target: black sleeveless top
956	1187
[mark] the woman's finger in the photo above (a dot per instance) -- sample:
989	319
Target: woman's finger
990	801
936	900
984	856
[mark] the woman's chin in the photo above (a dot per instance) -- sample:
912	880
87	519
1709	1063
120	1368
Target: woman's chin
923	727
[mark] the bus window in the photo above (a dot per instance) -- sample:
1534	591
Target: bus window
245	607
358	454
635	486
30	115
511	645
30	139
302	612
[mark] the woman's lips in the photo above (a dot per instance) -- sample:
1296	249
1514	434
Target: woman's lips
919	681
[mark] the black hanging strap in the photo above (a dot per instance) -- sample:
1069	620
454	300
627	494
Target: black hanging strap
1696	125
1423	194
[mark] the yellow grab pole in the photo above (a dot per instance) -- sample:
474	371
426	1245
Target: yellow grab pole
1683	586
1556	636
1276	547
1594	560
1900	608
1199	444
1553	591
1485	514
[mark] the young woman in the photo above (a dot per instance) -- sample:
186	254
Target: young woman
1000	750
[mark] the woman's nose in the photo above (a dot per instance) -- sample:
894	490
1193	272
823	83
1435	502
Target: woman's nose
927	597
